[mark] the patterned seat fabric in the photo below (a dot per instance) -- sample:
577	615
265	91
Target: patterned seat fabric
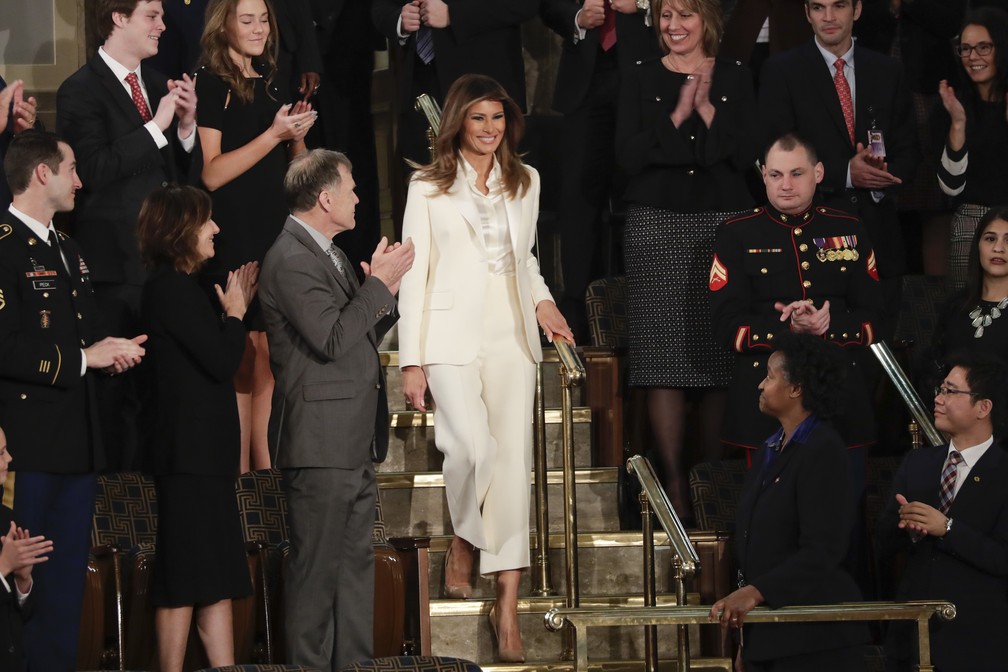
605	302
715	488
260	668
416	663
922	298
125	511
263	507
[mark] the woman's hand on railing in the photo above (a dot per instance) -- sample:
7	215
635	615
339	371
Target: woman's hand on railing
553	322
731	610
414	384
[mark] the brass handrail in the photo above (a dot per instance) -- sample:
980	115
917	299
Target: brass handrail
582	619
685	561
907	393
572	373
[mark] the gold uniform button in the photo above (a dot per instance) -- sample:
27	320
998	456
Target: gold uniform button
783	218
857	335
763	271
845	335
24	396
806	284
769	337
805	265
803	247
755	337
843	269
797	231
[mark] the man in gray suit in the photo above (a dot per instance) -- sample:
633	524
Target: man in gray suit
323	330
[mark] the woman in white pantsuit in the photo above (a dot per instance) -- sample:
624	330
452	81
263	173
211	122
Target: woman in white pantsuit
469	308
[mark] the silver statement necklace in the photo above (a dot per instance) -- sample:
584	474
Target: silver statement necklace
981	321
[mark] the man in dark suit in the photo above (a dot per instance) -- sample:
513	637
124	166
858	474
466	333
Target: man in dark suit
131	130
299	57
323	331
455	37
49	337
601	41
802	90
948	512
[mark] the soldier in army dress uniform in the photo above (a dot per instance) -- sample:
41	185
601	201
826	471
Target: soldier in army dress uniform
48	344
790	266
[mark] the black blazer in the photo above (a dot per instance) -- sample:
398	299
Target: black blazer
195	355
484	37
47	315
118	162
635	42
792	527
797	94
968	566
12	615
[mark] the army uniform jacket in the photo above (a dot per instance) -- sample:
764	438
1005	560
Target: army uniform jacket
47	315
765	257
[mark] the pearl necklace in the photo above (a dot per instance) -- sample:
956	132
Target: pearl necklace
981	321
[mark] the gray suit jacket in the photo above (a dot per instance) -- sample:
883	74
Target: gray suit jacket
323	333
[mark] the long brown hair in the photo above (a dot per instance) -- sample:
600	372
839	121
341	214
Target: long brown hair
215	42
168	225
463	94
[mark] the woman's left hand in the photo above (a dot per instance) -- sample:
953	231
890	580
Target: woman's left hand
552	322
701	96
734	607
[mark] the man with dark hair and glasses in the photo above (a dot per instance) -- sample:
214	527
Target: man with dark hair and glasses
948	512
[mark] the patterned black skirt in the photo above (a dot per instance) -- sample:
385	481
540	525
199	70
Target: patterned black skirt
668	258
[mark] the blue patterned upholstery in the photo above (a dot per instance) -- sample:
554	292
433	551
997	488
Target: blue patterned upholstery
715	488
605	302
415	664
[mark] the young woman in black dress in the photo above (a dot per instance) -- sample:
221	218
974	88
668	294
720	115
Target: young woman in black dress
248	133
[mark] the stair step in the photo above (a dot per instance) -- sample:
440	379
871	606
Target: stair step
608	563
412	448
460	628
414	505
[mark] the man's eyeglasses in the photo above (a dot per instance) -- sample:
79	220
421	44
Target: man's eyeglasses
942	391
982	49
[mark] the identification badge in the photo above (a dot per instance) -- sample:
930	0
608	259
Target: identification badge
43	285
876	141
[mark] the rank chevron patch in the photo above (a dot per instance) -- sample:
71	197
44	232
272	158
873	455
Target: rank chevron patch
718	275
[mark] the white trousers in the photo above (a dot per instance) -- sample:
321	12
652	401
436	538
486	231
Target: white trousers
483	426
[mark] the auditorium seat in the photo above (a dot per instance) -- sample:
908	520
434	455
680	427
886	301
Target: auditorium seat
715	488
414	664
605	302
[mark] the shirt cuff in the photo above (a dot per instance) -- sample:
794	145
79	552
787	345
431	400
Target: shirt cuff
579	32
188	143
399	31
850	185
83	363
159	138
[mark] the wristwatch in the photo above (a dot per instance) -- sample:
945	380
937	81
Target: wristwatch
948	525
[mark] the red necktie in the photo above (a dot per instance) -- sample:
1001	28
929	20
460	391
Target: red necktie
138	98
844	93
607	37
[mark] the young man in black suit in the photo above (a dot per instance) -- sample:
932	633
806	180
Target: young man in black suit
802	91
131	130
50	338
601	41
948	511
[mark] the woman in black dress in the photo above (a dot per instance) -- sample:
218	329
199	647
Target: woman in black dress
200	559
248	135
974	319
684	136
794	519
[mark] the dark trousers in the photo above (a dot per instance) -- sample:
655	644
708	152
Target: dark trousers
586	183
60	507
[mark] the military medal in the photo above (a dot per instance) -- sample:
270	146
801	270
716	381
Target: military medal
848	255
45	318
832	255
821	244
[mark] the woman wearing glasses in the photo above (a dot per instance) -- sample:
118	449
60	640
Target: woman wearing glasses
972	161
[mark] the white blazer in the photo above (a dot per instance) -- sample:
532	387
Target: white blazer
441	298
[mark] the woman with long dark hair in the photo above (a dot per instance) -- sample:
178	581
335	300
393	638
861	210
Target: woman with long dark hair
972	166
469	308
248	132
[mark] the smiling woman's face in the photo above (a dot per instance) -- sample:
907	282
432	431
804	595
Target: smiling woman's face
993	248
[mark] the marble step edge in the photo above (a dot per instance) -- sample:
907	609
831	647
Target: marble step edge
621	539
540	605
435	479
664	665
554	416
